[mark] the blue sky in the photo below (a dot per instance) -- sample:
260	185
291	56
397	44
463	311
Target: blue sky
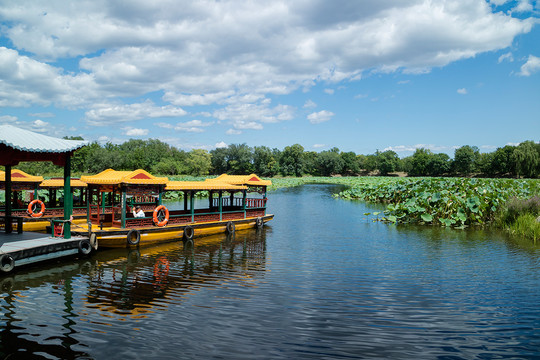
358	75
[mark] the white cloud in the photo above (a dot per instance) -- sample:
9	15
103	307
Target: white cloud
462	91
135	132
196	126
243	115
319	117
221	144
43	115
105	114
309	104
233	132
318	146
530	67
329	91
196	53
412	148
506	57
523	6
499	2
7	119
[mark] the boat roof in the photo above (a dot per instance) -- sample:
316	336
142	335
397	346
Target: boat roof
252	180
30	141
113	177
20	176
59	183
202	185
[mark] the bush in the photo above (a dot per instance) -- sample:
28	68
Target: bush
516	207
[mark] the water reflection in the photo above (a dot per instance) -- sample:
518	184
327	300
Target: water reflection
320	281
44	309
142	279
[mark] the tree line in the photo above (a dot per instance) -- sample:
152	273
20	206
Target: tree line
158	157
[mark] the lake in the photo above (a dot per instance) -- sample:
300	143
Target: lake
320	281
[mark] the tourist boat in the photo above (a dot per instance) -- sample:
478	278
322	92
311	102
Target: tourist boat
127	189
38	201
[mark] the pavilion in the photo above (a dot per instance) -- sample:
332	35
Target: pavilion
18	145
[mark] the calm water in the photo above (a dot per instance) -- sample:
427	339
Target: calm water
321	281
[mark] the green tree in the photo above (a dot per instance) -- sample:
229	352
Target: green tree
526	159
198	162
387	162
502	162
351	165
264	162
239	159
310	160
420	162
438	164
292	162
219	161
465	159
330	162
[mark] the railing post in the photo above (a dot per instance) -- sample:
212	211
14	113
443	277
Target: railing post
220	205
68	197
123	208
192	205
8	224
244	202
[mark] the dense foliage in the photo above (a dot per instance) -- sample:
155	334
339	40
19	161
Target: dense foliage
442	201
158	157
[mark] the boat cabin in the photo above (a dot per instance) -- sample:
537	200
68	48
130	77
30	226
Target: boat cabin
119	192
24	189
54	199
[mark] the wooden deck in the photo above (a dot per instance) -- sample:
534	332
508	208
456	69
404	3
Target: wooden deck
31	247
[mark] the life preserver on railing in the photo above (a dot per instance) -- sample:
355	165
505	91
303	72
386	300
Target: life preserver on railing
32	208
161	215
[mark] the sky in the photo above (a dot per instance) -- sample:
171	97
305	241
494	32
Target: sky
358	75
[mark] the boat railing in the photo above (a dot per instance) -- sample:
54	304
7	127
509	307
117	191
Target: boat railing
256	203
250	202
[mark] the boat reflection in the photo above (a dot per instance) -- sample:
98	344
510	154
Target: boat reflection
98	293
133	282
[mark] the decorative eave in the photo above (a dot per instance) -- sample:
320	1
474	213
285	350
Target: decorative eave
20	176
202	185
59	183
113	177
251	180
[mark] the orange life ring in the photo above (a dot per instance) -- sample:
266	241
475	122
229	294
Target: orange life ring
30	209
158	214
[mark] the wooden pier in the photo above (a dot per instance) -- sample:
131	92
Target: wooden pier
17	249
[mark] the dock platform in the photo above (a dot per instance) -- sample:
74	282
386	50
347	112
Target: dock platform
30	247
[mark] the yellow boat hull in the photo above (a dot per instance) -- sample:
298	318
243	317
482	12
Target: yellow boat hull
114	237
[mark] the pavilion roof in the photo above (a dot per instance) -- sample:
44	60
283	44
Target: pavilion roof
20	176
25	140
59	183
202	185
113	177
252	180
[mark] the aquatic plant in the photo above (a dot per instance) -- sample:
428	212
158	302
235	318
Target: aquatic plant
456	202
